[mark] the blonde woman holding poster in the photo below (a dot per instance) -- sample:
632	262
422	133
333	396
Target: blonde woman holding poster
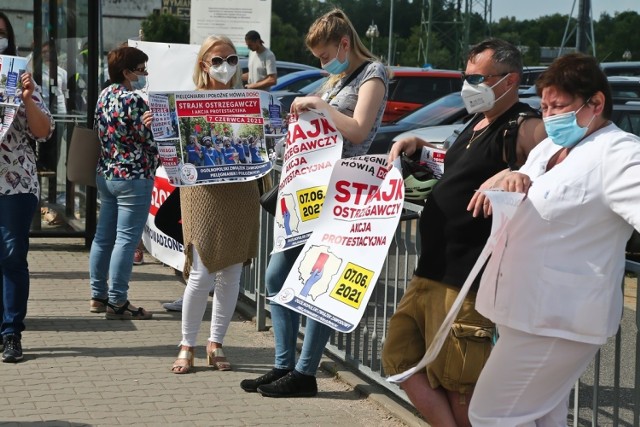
354	98
220	226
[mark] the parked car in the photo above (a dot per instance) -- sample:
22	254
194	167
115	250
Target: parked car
439	134
283	67
286	97
298	79
411	88
447	110
530	74
625	115
627	68
623	89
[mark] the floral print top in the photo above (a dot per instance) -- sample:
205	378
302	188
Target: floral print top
128	148
18	172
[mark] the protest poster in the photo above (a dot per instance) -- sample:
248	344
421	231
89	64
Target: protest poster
504	206
11	68
433	158
211	137
163	124
161	246
336	271
313	145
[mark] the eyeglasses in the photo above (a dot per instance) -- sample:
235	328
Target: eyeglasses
141	70
217	61
476	79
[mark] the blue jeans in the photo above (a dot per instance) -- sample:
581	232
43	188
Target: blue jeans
124	208
16	213
286	322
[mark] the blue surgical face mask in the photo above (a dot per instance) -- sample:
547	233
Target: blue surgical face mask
335	66
140	83
564	130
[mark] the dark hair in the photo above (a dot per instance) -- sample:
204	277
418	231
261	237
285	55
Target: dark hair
253	35
124	58
578	75
11	49
505	55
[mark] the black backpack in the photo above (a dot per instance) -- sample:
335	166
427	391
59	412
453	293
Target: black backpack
511	136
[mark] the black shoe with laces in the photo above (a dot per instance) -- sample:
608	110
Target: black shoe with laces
251	386
12	352
294	384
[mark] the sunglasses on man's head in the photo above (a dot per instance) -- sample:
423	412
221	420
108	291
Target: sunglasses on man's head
216	61
476	79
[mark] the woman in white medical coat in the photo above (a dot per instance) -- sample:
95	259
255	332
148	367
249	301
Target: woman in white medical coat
553	283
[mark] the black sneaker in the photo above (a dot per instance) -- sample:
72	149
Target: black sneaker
294	384
251	386
12	352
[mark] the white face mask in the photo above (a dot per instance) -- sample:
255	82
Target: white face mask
479	98
4	44
222	73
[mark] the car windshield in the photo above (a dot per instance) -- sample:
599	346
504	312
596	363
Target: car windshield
436	112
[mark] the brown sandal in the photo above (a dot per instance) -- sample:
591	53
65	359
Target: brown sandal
184	362
217	359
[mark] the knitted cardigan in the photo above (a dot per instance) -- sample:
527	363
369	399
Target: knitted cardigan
222	221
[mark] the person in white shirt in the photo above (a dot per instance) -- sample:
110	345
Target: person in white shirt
59	89
262	64
554	291
48	153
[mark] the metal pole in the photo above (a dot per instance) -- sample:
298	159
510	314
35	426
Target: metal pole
390	33
429	29
94	17
583	17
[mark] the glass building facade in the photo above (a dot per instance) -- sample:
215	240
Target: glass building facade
62	35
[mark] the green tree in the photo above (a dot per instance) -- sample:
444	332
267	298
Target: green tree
615	35
165	28
246	131
287	43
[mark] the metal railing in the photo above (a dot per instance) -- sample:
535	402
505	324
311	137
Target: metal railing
605	395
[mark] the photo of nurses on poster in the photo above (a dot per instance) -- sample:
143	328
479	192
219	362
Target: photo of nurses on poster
209	137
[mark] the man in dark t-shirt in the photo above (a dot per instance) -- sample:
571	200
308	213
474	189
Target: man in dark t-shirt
453	232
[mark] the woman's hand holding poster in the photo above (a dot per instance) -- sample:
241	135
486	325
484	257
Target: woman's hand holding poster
334	276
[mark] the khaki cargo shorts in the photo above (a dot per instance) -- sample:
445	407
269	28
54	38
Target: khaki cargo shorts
415	323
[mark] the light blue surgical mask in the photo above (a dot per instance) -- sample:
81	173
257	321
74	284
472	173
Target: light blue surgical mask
564	130
140	83
335	66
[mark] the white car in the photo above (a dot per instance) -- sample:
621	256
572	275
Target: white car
436	135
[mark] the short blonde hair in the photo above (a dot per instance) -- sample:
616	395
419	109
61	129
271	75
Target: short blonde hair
201	77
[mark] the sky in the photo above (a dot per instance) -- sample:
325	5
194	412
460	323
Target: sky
531	9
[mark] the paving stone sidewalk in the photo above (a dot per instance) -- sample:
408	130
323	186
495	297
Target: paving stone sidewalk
83	370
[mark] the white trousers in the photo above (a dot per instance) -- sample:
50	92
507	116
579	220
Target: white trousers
225	296
527	380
